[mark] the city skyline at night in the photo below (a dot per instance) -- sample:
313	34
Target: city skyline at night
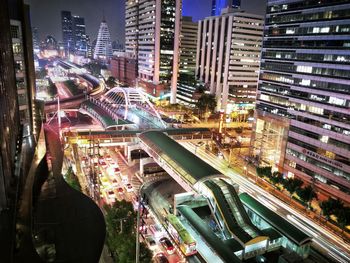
175	131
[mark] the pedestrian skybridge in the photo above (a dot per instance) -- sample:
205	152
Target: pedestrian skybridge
195	175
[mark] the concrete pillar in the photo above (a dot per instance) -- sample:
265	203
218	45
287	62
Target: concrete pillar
145	161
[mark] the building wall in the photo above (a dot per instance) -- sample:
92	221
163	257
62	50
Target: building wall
188	46
124	69
228	55
9	113
305	78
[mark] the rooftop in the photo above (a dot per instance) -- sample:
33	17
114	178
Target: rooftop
280	224
196	169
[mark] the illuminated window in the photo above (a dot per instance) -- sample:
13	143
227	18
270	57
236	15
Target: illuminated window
337	101
324	139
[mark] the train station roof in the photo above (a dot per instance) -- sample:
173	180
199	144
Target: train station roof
277	222
192	168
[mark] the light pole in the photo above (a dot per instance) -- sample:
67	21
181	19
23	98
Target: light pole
138	224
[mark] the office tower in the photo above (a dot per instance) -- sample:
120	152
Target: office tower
218	5
131	27
36	40
89	52
103	48
152	28
79	35
228	56
303	99
67	32
187	64
188	46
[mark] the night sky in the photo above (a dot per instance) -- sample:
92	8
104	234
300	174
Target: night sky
46	14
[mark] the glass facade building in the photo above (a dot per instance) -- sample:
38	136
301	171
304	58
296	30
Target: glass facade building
67	31
218	5
303	101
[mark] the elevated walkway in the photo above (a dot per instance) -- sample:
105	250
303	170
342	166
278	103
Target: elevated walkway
185	167
102	116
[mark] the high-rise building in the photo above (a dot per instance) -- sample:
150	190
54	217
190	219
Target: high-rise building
79	35
67	32
9	111
152	28
187	63
22	47
218	5
228	56
36	40
103	48
188	46
303	117
17	80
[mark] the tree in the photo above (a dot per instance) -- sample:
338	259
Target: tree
110	82
264	171
306	194
292	184
331	206
327	208
121	233
276	178
343	218
206	103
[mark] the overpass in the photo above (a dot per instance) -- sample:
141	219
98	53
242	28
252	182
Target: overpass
195	175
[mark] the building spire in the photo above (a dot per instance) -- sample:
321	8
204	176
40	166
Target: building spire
103	16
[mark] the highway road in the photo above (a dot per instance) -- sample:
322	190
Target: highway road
323	240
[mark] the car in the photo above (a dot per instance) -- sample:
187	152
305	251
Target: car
113	164
120	190
116	171
103	164
111	195
125	179
156	230
161	258
129	188
167	245
114	182
104	181
150	242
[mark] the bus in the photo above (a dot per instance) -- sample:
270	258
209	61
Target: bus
182	238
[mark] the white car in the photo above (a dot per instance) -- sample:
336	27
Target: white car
113	164
111	195
129	188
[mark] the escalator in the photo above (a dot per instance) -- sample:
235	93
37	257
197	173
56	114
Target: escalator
225	214
240	213
229	210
